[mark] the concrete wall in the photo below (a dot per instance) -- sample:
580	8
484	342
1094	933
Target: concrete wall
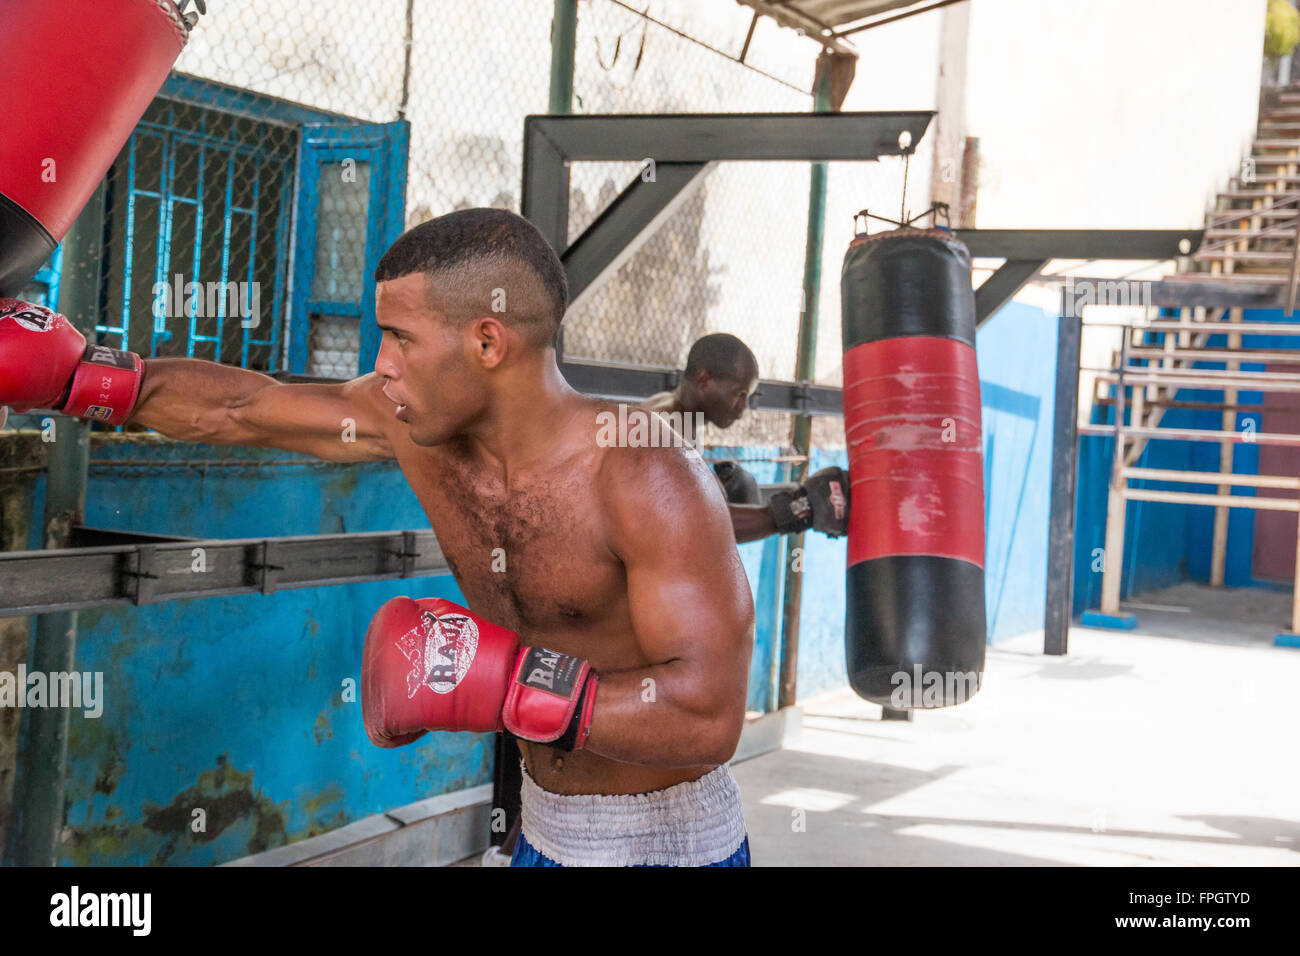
1105	115
233	705
1102	114
1110	113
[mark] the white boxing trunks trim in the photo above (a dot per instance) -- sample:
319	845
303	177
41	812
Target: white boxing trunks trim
691	824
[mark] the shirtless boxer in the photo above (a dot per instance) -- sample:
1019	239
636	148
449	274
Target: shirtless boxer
621	561
720	376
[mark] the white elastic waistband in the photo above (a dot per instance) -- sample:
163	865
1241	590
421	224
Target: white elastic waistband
691	824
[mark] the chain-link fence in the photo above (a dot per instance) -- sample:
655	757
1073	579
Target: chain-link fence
291	144
730	259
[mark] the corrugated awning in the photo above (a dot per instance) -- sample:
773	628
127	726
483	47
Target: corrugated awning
832	21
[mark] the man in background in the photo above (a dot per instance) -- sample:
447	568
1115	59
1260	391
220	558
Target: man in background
720	377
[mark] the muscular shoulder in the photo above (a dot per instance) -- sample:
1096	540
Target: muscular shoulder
650	493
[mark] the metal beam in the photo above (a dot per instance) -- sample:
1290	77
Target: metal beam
709	137
635	383
804	371
1178	292
803	22
801	399
545	200
618	382
675	150
564	41
82	536
36	582
626	224
998	289
1065	454
1188	290
1154	244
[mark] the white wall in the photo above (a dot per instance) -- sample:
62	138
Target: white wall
1110	113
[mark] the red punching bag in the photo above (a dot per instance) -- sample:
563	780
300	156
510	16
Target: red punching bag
915	623
104	60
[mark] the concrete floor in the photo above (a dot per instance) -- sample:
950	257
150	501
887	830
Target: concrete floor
1176	744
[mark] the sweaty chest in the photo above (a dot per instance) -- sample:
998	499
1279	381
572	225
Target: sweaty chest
530	557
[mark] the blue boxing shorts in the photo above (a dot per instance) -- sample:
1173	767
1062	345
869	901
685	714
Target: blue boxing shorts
697	823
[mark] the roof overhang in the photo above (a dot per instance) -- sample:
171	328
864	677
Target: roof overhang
832	21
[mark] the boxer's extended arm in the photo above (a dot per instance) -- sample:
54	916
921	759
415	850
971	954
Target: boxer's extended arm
751	522
196	400
692	613
45	362
819	504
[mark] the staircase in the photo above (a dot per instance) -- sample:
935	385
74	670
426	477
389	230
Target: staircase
1251	230
1250	236
1250	239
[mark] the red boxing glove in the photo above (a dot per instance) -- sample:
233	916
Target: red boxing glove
551	698
433	665
46	363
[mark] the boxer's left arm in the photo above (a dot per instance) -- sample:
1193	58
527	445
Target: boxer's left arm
821	503
751	522
692	613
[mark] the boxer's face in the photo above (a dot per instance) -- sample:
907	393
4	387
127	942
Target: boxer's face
428	362
724	398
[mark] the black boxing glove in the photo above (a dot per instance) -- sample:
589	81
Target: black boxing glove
820	503
740	486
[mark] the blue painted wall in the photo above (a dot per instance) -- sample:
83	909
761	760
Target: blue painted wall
1017	364
235	705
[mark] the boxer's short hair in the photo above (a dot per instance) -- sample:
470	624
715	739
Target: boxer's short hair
484	262
722	356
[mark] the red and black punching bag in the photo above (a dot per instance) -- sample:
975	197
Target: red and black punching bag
79	76
914	628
